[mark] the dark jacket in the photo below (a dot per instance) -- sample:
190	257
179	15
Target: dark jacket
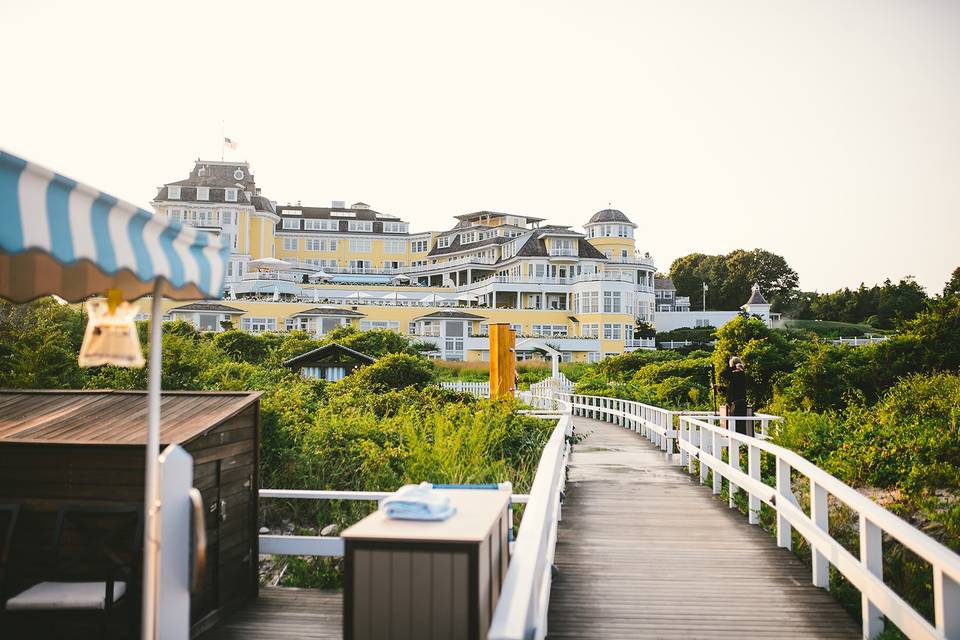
734	384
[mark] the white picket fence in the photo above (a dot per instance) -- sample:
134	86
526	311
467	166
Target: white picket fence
479	389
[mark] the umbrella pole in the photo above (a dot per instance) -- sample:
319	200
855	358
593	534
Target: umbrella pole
151	530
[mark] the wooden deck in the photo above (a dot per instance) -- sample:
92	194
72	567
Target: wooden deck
279	612
644	551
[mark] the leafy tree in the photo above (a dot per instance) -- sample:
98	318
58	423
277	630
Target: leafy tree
392	371
952	288
243	346
731	277
766	353
691	271
374	343
39	343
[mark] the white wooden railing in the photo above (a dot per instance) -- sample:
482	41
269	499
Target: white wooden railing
331	546
704	441
521	612
480	389
701	438
859	342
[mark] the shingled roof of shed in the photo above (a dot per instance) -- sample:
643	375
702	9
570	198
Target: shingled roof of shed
113	417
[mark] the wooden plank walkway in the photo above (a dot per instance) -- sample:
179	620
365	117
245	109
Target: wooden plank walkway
645	551
282	612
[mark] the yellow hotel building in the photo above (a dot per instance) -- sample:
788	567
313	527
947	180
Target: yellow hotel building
315	268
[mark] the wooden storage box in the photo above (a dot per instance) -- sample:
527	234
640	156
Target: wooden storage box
427	580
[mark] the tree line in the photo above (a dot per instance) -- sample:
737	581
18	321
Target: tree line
730	277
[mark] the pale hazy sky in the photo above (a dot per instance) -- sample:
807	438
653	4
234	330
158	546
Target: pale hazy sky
827	131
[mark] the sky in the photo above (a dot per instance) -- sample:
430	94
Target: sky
827	131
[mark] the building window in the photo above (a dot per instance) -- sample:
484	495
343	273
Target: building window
394	246
590	330
173	192
321	225
394	227
443	242
419	246
663	307
612	302
360	225
550	330
257	325
412	328
230	195
290	223
468	237
367	325
612	332
593	356
203	193
360	245
589	302
701	322
290	244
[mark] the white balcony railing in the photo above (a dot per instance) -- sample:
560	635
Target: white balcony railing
273	275
568	252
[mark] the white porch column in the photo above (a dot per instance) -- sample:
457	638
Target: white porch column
519	306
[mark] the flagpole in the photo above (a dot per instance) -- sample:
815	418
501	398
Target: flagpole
223	141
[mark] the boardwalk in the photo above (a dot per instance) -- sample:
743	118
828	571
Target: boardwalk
644	551
310	614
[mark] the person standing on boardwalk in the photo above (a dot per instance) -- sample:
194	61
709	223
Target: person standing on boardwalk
733	380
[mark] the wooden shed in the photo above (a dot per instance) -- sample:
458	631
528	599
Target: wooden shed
330	362
87	448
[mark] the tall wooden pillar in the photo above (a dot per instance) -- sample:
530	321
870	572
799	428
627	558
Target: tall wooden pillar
503	360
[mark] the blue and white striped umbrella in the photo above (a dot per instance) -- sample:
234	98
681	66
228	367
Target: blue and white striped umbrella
58	236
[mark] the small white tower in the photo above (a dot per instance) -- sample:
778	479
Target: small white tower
757	305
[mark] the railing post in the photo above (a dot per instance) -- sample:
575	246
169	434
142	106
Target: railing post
946	594
682	435
871	555
669	439
717	451
821	519
705	447
784	492
733	455
753	502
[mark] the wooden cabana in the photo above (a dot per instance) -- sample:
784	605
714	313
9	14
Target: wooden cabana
330	362
86	448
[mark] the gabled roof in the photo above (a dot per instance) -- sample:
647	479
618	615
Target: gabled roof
214	307
333	312
325	353
450	315
663	284
536	247
113	417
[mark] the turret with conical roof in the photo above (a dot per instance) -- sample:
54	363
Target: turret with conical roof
611	232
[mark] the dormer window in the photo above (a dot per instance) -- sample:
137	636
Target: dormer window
203	193
468	237
443	242
230	195
173	192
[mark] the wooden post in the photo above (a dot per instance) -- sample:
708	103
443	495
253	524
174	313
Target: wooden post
503	362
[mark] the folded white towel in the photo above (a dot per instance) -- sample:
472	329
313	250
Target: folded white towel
418	502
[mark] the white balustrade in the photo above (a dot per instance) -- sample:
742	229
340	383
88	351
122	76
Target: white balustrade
703	437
